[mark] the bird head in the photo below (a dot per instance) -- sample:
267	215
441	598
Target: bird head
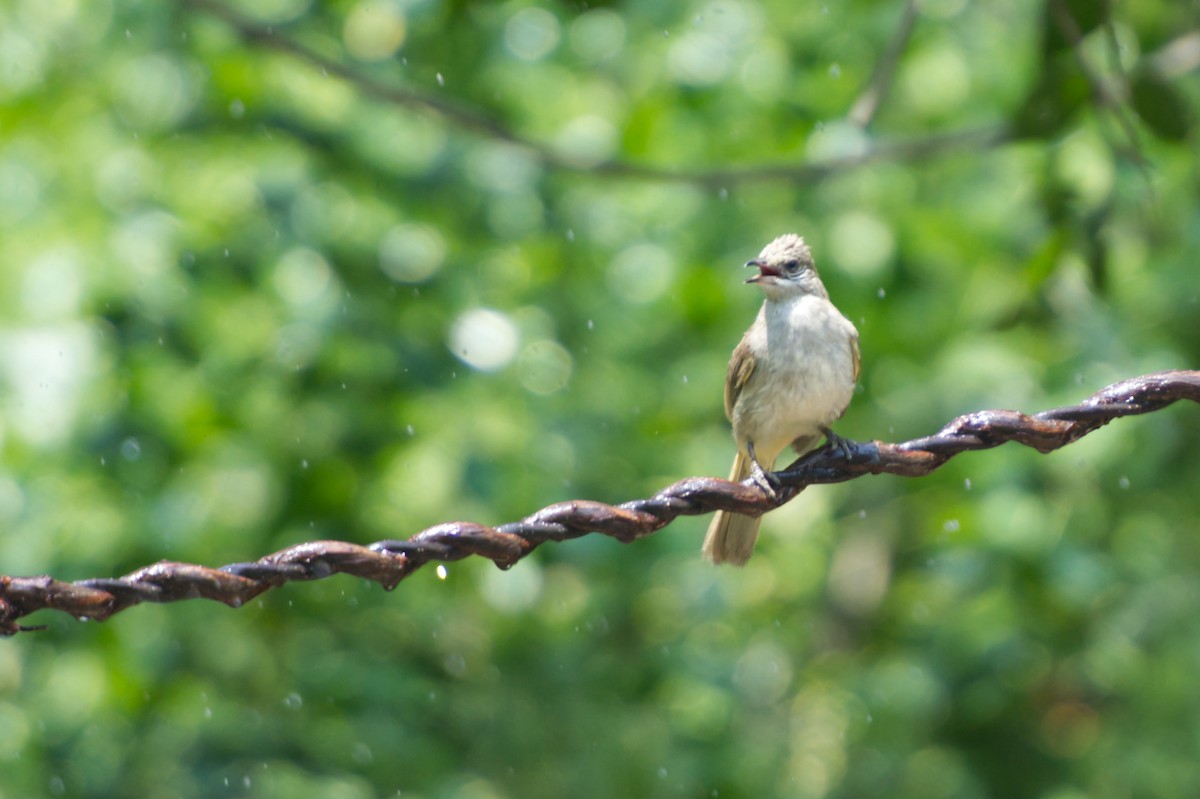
785	267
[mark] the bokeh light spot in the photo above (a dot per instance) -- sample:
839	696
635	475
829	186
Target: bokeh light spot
597	35
484	339
302	277
411	253
544	367
532	34
861	244
641	273
374	30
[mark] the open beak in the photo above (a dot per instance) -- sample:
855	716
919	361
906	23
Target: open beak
764	270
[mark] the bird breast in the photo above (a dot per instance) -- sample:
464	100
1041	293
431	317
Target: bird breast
803	377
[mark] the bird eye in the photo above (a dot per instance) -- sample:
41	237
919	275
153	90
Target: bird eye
791	265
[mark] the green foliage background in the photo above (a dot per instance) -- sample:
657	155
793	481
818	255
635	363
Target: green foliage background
245	299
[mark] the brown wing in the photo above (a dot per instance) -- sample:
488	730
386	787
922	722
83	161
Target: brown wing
857	354
741	366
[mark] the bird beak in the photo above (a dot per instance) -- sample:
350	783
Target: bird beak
764	270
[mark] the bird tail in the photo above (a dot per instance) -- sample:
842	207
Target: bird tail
731	536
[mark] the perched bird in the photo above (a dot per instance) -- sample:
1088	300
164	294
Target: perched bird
790	377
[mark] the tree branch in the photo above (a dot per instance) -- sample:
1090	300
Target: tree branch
1105	96
388	562
478	123
872	97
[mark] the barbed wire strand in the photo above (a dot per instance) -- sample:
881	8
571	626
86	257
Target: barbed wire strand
390	561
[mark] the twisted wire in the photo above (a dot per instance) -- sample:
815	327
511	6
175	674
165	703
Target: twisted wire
390	561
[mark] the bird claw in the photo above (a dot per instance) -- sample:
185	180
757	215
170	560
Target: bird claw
843	446
765	480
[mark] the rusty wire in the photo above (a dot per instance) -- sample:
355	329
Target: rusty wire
388	562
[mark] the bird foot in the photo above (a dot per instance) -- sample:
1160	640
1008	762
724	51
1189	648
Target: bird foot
765	480
843	446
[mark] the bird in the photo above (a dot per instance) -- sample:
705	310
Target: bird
791	376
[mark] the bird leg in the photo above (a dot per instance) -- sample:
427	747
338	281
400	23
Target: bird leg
765	480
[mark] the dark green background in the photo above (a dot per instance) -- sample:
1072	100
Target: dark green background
236	284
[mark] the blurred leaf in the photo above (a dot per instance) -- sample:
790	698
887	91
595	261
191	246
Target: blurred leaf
1085	15
1162	106
1052	102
